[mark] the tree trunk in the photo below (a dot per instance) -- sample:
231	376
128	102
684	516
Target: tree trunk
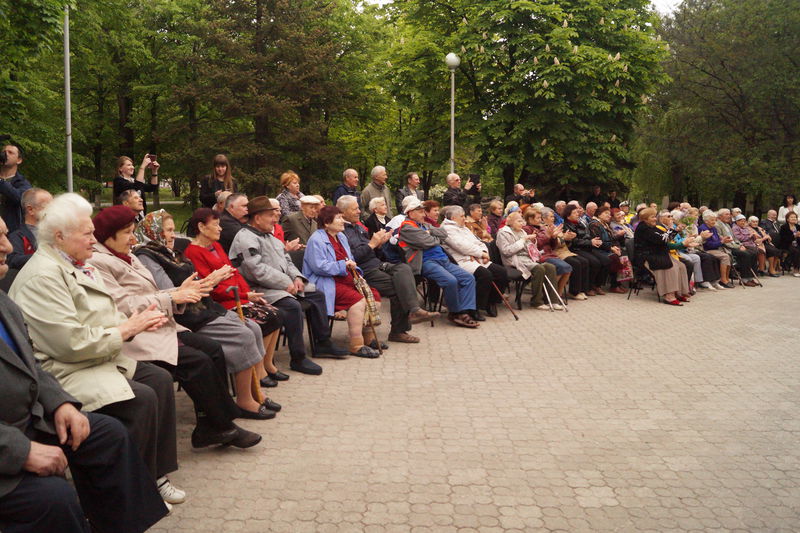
509	173
191	111
125	132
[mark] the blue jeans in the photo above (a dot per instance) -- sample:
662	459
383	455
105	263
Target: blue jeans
458	284
562	267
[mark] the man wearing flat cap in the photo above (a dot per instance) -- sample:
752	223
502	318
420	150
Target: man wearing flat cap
302	224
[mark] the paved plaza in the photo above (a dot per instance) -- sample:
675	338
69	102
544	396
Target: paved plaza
617	416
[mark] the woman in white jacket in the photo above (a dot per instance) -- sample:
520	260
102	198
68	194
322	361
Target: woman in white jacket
472	255
519	251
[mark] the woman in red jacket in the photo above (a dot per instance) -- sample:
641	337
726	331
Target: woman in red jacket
207	256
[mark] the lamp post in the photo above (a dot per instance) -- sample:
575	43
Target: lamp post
67	99
452	61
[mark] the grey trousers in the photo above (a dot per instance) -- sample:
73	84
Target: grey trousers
397	283
241	341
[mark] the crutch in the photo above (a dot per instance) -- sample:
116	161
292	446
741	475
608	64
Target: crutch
505	300
255	385
547	295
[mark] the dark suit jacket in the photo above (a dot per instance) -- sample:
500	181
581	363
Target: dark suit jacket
22	250
120	184
297	225
230	227
28	398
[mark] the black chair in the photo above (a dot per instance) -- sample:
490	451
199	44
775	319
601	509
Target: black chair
642	277
180	244
516	281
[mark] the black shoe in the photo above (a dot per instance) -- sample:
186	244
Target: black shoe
272	406
774	275
244	438
268	382
374	345
491	311
326	349
477	316
262	414
366	352
278	376
203	437
306	366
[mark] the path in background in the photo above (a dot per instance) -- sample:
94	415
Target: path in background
618	416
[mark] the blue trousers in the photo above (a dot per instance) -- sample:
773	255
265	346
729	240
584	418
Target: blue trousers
458	284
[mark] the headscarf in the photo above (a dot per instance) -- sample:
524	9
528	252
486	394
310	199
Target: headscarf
151	228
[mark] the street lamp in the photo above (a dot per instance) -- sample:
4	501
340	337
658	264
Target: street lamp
452	61
67	99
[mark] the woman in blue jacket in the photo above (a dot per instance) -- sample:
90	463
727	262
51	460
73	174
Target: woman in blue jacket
328	264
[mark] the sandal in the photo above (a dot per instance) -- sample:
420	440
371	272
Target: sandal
462	320
673	302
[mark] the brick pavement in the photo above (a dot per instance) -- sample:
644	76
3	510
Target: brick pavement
624	416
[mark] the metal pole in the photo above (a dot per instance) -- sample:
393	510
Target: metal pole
67	99
452	120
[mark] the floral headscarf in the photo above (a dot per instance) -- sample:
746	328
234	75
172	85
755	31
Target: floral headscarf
151	228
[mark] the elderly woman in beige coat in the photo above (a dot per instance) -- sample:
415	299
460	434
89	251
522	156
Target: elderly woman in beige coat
519	251
472	254
78	333
198	364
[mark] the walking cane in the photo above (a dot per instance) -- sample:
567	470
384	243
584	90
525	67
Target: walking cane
369	321
505	300
255	386
552	287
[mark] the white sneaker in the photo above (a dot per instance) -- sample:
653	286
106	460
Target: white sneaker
170	493
719	286
169	508
796	274
580	296
558	307
543	307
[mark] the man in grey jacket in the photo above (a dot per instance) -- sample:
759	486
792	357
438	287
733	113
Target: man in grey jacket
411	189
263	261
378	188
42	431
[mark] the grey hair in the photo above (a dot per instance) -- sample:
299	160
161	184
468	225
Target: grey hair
232	198
29	197
752	218
375	201
560	203
63	215
547	211
450	177
723	211
377	170
348	172
709	214
345	201
664	213
452	211
677	214
127	193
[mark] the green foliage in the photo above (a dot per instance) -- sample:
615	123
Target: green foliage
728	125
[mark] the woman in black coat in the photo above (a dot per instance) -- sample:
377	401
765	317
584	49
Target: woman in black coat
124	179
580	242
790	241
651	251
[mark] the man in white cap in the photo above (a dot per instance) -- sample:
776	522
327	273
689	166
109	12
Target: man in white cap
302	224
422	248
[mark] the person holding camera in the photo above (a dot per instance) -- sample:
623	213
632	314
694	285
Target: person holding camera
125	181
12	185
455	195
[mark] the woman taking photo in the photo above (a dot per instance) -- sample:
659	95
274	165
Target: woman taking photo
328	264
652	253
220	180
124	179
208	258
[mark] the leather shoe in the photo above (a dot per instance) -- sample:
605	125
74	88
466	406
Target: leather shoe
203	437
268	382
244	438
403	337
306	366
278	376
422	316
374	345
750	283
326	349
262	414
477	316
272	406
462	320
618	290
366	352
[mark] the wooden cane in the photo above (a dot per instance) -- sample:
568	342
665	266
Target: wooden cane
505	300
255	385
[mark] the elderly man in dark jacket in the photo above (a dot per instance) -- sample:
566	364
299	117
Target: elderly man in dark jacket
42	431
392	280
455	195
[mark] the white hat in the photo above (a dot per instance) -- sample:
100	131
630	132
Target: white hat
412	204
309	199
739	217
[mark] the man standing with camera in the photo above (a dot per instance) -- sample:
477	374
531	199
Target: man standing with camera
12	185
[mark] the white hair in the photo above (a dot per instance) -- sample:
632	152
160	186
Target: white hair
450	177
377	170
709	214
375	201
677	214
560	203
752	219
348	172
736	211
451	211
723	211
63	215
346	201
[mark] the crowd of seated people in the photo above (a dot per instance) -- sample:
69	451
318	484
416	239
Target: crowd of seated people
107	311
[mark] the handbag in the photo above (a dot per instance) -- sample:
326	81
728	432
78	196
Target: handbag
259	313
626	272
